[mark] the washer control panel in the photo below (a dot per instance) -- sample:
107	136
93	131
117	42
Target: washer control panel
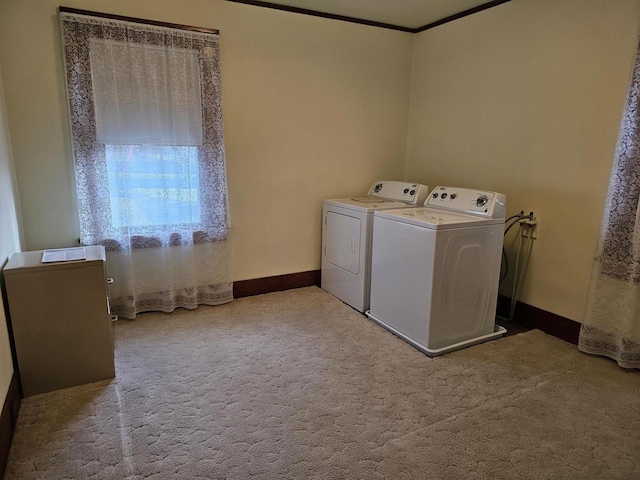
465	200
409	193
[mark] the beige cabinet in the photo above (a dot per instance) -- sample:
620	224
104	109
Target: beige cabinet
60	320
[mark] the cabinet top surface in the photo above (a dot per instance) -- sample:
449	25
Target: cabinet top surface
33	261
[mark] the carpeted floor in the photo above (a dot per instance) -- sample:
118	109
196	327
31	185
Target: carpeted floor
297	385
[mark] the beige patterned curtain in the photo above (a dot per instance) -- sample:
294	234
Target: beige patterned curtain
148	152
611	324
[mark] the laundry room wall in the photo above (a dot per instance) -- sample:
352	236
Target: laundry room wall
526	99
9	236
313	108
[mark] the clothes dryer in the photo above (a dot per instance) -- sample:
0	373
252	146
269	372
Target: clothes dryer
346	237
436	269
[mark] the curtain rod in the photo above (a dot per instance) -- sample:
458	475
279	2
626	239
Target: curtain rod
139	20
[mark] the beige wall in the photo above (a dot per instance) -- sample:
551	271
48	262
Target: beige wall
526	99
313	108
9	237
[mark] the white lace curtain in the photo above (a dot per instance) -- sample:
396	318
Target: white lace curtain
611	325
147	139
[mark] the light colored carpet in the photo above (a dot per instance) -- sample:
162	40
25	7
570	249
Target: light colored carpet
297	385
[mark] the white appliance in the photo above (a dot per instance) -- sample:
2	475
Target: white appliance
435	270
346	238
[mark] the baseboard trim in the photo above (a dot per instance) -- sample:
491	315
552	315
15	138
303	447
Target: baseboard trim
8	419
258	286
534	317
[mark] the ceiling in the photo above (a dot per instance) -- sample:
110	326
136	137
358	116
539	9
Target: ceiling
409	14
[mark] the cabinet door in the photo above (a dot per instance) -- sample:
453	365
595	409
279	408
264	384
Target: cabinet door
61	326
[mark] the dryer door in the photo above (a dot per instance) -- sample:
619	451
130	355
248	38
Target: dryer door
342	241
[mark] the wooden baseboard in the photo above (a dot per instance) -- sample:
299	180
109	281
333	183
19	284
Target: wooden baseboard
8	419
534	317
258	286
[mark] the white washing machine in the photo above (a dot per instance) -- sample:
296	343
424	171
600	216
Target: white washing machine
435	270
346	238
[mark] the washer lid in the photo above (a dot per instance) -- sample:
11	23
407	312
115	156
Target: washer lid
365	204
436	219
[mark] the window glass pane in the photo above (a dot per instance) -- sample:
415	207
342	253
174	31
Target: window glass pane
153	185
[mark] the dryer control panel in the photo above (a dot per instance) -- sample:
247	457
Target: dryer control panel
409	193
465	200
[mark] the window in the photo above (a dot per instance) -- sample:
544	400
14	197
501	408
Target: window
147	133
146	128
153	185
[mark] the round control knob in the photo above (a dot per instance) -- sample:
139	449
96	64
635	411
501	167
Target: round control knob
443	196
406	190
377	188
453	196
481	201
412	192
435	195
